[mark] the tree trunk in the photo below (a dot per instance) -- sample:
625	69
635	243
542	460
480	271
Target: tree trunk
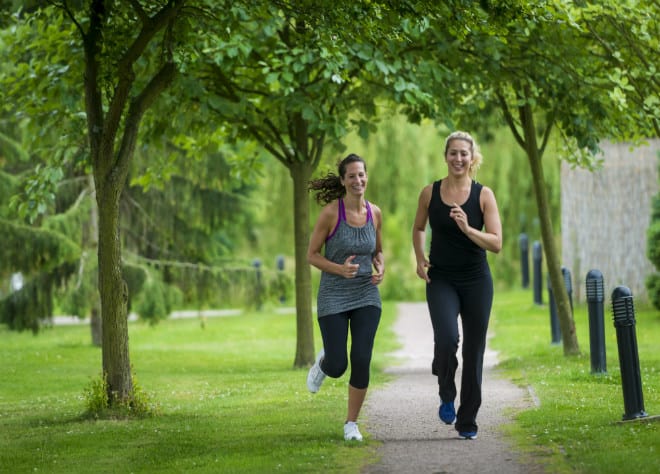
96	324
111	156
301	172
564	310
96	327
114	297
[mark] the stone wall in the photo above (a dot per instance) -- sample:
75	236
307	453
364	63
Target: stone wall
604	218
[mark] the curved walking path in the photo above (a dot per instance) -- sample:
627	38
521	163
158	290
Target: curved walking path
403	414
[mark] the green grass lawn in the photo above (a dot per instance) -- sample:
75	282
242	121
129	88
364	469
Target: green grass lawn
578	426
227	398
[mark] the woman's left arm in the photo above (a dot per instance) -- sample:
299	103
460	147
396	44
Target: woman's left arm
490	238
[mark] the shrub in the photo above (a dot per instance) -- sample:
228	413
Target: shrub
653	251
99	406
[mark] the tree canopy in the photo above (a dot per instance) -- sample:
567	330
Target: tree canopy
196	89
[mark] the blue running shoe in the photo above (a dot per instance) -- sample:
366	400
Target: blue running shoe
447	412
467	434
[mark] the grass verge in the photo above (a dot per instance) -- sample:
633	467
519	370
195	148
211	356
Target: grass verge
577	426
228	401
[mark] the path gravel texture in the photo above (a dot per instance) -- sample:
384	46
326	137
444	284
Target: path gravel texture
403	414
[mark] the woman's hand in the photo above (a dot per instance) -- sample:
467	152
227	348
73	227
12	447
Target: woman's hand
379	270
459	216
422	270
349	269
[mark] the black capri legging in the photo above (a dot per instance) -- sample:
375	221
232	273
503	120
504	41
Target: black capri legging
363	323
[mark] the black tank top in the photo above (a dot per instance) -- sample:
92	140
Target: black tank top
452	253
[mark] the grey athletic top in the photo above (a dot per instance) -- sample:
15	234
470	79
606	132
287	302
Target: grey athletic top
336	293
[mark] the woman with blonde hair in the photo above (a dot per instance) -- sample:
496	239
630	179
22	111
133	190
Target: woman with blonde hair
465	223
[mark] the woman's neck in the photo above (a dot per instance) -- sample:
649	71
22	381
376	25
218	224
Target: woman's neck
354	203
454	182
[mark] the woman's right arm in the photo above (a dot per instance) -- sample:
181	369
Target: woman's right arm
419	232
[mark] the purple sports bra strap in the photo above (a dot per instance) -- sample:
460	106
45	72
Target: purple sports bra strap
341	216
369	216
342	211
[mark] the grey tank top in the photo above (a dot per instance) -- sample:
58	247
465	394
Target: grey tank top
336	293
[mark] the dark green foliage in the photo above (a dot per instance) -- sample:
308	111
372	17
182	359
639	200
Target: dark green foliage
27	307
46	259
157	299
653	288
135	277
653	251
231	285
27	249
8	183
80	295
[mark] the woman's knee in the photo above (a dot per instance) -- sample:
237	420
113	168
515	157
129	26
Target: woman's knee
334	368
445	343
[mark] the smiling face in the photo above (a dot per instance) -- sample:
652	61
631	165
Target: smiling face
459	156
355	178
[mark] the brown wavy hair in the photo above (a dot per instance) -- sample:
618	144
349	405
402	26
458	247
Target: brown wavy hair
329	187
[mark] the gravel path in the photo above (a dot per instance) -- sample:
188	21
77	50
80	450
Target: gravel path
403	413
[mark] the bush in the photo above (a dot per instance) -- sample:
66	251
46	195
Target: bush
98	404
653	251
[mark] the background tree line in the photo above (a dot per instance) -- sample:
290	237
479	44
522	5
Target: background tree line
185	99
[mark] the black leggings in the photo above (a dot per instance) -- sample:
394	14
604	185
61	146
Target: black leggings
473	300
363	323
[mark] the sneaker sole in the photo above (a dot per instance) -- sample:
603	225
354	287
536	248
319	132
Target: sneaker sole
319	356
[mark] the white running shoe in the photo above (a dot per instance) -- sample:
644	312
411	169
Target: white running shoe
315	376
351	431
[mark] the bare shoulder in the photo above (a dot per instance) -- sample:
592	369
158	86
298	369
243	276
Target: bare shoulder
330	209
487	193
425	194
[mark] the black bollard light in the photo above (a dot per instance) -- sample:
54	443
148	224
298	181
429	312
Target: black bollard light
256	263
595	303
280	266
537	257
631	381
555	328
524	259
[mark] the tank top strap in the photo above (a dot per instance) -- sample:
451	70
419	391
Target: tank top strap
435	192
341	216
342	211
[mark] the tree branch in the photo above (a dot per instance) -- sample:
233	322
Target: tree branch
65	6
93	96
548	128
149	29
158	83
508	117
